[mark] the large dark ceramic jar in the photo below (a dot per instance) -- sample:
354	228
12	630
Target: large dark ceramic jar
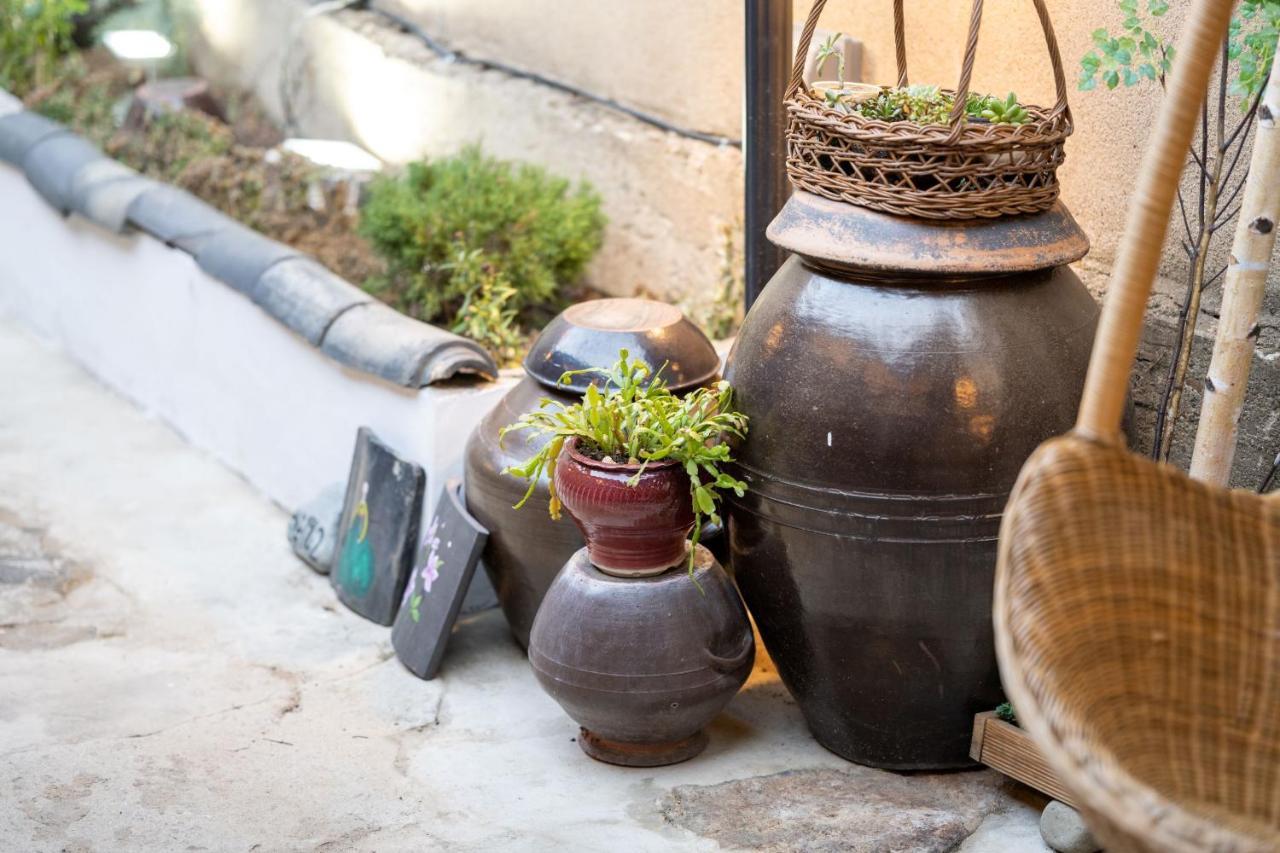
897	373
642	664
526	549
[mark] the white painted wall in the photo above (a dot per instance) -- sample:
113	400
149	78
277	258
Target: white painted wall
149	323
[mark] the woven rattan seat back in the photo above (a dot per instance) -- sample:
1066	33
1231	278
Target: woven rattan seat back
1137	611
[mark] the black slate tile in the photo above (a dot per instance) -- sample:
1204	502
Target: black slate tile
238	256
177	218
21	130
52	164
103	190
305	296
376	339
378	532
438	584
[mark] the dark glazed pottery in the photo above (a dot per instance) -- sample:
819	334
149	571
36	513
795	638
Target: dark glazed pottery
526	548
642	664
897	374
631	530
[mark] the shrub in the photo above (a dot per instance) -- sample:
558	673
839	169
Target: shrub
34	34
533	232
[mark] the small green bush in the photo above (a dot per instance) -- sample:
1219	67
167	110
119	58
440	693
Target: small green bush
34	34
531	231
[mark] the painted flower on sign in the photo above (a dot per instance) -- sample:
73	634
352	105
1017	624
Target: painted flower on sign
427	574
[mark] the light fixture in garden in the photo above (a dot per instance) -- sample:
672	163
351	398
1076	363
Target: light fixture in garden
345	162
334	154
145	48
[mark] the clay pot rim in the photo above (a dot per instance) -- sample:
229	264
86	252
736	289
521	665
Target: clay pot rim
656	466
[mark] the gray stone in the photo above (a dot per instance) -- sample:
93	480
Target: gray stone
103	190
51	166
20	131
386	343
238	256
177	218
313	528
1063	829
861	810
305	296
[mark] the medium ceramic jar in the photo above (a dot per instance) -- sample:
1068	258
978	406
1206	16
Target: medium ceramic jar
642	664
897	373
526	549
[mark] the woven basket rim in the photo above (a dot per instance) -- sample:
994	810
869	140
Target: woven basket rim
1047	129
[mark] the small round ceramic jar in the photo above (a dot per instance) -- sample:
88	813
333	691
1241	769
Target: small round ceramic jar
642	664
632	529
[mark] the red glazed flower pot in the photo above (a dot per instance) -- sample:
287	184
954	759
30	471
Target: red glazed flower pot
631	531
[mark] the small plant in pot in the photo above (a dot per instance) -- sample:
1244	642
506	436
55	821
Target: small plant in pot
637	467
838	93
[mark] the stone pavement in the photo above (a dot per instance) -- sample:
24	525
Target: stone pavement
173	678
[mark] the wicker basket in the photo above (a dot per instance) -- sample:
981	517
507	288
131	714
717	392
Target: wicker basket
1137	611
960	170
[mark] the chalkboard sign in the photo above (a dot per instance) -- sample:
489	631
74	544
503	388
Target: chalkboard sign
378	530
450	551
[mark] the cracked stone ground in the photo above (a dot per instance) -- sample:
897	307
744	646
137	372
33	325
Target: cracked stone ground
172	678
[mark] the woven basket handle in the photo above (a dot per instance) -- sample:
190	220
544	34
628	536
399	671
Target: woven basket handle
1116	346
966	68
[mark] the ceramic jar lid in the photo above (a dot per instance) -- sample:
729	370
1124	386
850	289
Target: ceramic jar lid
857	238
590	334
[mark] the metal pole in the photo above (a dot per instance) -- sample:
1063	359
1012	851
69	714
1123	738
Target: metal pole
769	55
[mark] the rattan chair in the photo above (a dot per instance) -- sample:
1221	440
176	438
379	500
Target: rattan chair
1137	611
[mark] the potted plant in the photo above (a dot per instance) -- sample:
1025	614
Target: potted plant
639	468
636	466
838	93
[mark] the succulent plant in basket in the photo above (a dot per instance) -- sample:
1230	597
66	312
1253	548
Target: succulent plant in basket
636	466
923	104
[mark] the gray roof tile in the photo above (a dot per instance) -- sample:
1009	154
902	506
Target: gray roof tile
103	190
238	256
21	130
177	218
52	164
305	296
376	339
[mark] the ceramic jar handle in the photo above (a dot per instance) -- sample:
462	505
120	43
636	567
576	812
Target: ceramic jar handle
730	663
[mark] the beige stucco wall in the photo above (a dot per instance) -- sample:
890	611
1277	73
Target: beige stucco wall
682	61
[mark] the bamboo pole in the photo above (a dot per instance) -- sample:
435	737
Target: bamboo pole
1246	282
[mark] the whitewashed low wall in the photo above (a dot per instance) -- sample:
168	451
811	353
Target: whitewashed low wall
153	325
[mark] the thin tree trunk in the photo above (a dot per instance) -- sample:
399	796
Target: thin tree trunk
1210	177
1190	315
1246	282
